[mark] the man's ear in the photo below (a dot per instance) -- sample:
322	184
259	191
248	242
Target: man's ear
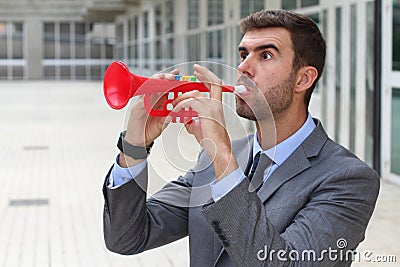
305	78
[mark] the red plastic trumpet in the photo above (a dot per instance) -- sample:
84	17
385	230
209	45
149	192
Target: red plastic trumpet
120	85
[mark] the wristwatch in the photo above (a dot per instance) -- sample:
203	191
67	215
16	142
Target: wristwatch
135	152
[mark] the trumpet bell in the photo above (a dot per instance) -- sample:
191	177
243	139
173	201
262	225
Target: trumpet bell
117	85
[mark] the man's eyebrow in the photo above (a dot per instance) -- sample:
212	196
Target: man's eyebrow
261	47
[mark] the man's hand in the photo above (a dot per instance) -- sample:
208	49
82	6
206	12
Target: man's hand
209	130
142	128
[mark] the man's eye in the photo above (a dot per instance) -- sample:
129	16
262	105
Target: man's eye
243	56
266	56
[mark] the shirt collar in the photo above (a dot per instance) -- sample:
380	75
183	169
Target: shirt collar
284	149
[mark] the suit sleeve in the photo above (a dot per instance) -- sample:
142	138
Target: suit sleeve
133	224
339	208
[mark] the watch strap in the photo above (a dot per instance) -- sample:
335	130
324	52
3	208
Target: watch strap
135	152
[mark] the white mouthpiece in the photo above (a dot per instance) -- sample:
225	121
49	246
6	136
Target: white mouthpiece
240	89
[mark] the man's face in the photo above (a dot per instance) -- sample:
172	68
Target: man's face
267	60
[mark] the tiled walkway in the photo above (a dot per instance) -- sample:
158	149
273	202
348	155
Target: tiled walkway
57	143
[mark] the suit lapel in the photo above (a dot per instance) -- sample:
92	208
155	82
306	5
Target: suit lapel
296	163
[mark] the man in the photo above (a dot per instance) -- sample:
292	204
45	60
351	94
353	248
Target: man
312	199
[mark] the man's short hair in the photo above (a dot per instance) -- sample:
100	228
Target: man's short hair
308	44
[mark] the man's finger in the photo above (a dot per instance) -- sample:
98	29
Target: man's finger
214	83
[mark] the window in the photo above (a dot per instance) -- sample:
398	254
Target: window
78	50
215	48
49	40
193	47
250	6
146	24
395	146
80	40
133	47
119	39
17	40
338	79
136	28
289	4
294	4
215	12
146	55
369	127
324	97
65	40
11	50
306	3
193	14
353	67
3	40
169	16
396	35
158	20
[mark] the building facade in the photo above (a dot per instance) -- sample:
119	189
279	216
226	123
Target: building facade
358	103
57	39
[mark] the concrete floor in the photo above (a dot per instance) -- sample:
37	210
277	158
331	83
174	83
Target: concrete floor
58	141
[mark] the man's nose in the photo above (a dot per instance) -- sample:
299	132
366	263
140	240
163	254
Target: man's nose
246	67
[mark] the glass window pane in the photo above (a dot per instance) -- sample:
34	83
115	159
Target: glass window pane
65	72
170	48
3	40
80	45
193	14
146	55
193	47
95	72
136	28
250	6
369	127
17	41
18	73
158	49
169	16
244	8
120	53
353	67
130	29
65	39
50	72
305	3
3	72
119	33
109	49
49	41
158	52
396	35
215	12
395	146
136	53
146	24
338	71
323	92
95	48
158	18
289	4
80	72
315	17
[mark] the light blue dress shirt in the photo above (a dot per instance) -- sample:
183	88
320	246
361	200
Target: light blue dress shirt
278	154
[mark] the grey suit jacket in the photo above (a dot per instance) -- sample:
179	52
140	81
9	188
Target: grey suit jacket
316	203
